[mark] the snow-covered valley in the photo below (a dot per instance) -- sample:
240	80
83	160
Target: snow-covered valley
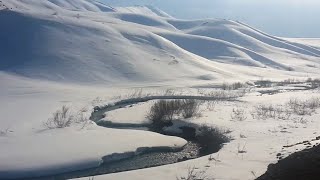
83	54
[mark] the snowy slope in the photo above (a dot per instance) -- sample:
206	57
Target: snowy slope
145	10
313	42
92	53
89	42
74	5
242	35
50	48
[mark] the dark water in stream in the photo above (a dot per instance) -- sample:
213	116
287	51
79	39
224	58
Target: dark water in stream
151	158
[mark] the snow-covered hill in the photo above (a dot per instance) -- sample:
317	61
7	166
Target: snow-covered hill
88	41
83	53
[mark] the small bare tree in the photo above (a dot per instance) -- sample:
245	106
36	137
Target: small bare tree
61	118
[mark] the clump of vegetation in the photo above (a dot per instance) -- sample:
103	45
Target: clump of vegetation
271	111
63	118
293	106
190	108
195	174
304	107
226	94
210	138
233	86
163	112
288	81
238	114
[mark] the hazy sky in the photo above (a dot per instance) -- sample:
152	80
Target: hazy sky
290	18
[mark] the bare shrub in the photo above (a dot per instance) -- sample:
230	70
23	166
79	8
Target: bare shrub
80	116
61	118
190	108
227	94
194	174
238	114
288	81
211	138
313	103
293	106
210	105
263	112
270	111
164	111
233	86
304	107
137	93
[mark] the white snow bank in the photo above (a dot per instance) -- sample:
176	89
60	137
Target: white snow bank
56	151
129	115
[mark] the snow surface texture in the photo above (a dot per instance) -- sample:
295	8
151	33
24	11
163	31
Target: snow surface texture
50	50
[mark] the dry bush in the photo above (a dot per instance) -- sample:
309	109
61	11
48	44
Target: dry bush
238	114
164	111
61	118
211	138
194	174
137	93
304	107
226	95
293	106
270	111
287	82
210	105
190	108
234	86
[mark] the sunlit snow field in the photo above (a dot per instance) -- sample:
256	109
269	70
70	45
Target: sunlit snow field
88	54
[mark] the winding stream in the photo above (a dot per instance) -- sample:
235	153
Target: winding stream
150	158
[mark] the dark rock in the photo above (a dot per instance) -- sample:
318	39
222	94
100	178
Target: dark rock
302	165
